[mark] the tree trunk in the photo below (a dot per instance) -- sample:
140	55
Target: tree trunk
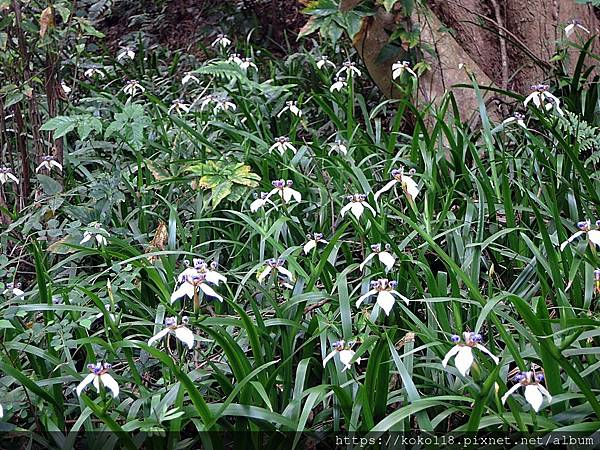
529	30
507	43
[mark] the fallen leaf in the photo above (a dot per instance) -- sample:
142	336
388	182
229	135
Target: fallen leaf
46	20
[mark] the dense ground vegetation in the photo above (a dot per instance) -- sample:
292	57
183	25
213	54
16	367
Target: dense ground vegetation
231	203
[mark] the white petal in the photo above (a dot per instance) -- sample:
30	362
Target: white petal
545	392
569	29
534	397
345	209
210	291
328	357
288	193
87	380
581	27
387	259
55	164
18	292
286	272
257	204
345	357
161	334
487	352
86	237
594	236
402	297
215	277
1	412
12	177
365	296
464	360
309	246
509	392
386	301
411	187
367	259
530	97
357	209
110	383
190	271
369	207
571	239
264	274
185	335
385	188
96	383
186	289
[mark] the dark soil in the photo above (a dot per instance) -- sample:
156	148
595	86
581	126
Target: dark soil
190	25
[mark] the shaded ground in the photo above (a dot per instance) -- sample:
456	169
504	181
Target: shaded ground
190	24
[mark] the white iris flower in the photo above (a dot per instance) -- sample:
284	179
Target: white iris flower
181	332
191	285
338	84
95	230
14	288
385	291
285	191
6	175
94	72
534	391
219	103
200	267
400	67
260	201
221	41
282	143
384	255
349	69
126	52
517	118
345	352
409	186
573	25
48	162
357	204
189	76
132	87
339	147
246	63
324	61
275	264
464	352
313	241
543	99
179	106
99	374
292	107
585	227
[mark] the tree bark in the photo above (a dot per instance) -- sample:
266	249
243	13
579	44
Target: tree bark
507	43
531	30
